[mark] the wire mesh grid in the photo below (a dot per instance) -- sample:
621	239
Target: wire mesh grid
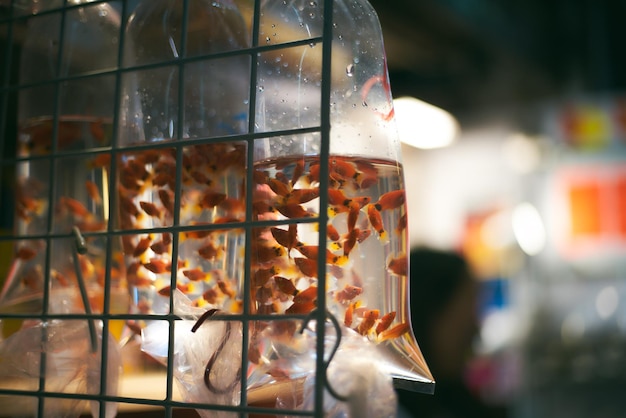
13	395
134	221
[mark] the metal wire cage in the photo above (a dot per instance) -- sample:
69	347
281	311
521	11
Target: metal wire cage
81	213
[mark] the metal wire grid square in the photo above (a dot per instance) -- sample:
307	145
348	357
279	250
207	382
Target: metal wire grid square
11	30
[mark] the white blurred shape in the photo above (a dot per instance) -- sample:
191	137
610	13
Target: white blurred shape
423	125
521	153
607	301
497	329
528	229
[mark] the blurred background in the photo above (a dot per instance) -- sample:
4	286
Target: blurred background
531	190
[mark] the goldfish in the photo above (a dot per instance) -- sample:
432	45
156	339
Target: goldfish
149	156
368	321
307	266
226	288
211	198
262	295
128	179
200	177
210	251
292	210
164	179
260	207
28	205
390	200
140	281
166	166
150	208
286	238
298	196
402	223
26	253
101	160
332	233
262	275
158	266
127	206
59	277
338	198
211	295
226	219
142	246
394	332
301	307
278	187
195	274
344	169
385	322
138	168
398	265
282	177
260	177
160	247
285	285
349	292
348	316
233	205
167	200
298	170
367	86
91	225
198	234
263	254
93	191
74	206
377	222
311	251
314	173
353	215
369	174
185	288
307	295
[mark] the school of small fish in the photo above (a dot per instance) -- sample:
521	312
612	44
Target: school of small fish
284	268
209	211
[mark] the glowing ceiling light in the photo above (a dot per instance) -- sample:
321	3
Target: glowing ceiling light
423	125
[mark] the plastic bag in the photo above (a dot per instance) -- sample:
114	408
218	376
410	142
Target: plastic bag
71	365
207	358
207	365
355	374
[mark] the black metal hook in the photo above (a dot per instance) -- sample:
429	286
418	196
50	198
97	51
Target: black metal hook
209	366
80	247
335	323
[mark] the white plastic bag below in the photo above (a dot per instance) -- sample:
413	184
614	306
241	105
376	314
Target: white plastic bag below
355	374
71	366
215	344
